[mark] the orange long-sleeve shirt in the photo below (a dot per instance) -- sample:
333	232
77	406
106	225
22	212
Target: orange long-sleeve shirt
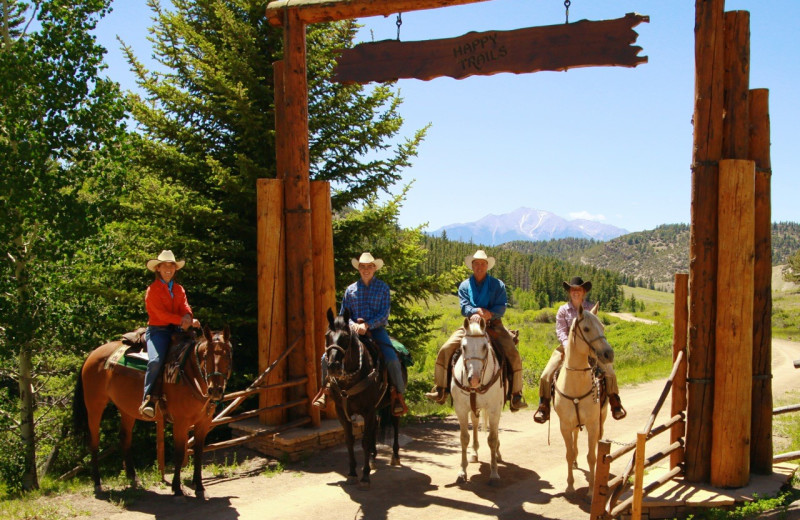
163	309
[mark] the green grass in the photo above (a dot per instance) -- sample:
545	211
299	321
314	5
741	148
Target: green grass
786	315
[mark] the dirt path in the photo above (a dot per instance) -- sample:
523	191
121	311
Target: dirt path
627	316
532	476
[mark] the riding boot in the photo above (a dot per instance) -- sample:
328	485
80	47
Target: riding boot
398	404
321	399
437	395
517	402
148	408
617	411
543	412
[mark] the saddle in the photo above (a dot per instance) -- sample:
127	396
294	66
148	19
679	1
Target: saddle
133	354
601	395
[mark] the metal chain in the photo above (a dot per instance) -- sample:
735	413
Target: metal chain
567	3
399	23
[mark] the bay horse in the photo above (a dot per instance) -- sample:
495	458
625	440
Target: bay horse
191	401
476	387
577	397
358	386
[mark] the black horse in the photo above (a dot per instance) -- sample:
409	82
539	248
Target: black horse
358	386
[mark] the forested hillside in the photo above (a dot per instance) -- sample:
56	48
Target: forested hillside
647	257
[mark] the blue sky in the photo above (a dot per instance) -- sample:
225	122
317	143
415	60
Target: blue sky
611	144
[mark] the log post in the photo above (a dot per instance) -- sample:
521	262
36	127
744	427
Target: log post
297	207
271	293
736	125
707	120
679	335
324	277
638	476
730	447
761	450
601	472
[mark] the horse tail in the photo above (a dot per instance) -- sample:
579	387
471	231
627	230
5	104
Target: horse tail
80	416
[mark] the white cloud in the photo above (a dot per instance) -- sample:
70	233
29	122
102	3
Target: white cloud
585	215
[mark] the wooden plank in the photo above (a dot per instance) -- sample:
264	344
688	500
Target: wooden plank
736	134
679	337
324	277
638	477
761	448
554	47
316	11
707	146
730	443
601	472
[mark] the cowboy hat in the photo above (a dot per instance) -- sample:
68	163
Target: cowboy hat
165	256
480	254
577	281
367	258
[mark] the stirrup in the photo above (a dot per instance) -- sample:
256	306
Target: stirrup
321	399
517	402
437	395
542	414
148	408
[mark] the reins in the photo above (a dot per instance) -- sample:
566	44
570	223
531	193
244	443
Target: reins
197	392
576	330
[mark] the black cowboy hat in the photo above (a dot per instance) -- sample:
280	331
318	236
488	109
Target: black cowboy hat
577	281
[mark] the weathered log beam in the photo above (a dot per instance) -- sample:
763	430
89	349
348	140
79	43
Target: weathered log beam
532	49
316	11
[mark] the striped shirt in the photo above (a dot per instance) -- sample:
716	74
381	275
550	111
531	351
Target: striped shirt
368	302
564	317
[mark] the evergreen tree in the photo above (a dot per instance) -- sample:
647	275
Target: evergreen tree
206	134
58	135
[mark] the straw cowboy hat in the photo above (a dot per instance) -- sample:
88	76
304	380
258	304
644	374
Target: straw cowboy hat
367	258
480	254
165	256
577	281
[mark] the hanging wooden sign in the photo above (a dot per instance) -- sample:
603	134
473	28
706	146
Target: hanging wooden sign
554	47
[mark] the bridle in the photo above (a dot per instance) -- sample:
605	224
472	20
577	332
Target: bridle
576	330
201	366
473	392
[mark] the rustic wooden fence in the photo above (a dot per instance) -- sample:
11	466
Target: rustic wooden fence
789	455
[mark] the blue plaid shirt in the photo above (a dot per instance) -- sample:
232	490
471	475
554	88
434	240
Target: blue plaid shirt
370	303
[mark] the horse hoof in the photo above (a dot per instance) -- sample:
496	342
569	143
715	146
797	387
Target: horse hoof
494	482
395	461
98	489
474	458
200	495
462	479
575	464
351	479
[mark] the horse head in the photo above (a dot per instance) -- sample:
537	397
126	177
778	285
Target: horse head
215	357
591	331
475	350
339	338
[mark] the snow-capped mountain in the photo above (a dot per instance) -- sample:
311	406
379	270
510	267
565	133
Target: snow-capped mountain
527	224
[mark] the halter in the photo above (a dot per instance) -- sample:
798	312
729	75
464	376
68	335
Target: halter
576	400
202	370
589	342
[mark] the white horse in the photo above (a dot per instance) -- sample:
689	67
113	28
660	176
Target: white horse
576	399
477	386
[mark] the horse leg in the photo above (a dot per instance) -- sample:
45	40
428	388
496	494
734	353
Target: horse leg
494	445
349	439
125	437
566	433
575	434
180	434
591	455
462	421
475	444
94	417
200	431
367	442
396	444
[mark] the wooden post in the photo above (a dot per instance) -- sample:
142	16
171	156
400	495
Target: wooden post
271	293
707	119
281	132
324	277
601	472
730	447
679	335
761	450
297	207
638	476
736	126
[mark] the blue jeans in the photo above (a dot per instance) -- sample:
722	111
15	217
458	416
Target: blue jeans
381	338
158	339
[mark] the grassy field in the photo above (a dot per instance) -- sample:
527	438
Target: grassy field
642	351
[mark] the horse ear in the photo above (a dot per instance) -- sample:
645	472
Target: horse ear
346	315
596	308
466	324
330	316
226	333
207	332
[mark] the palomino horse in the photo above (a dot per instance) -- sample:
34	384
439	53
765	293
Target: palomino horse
577	395
477	386
190	401
359	386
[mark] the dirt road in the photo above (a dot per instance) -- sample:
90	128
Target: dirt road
532	476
